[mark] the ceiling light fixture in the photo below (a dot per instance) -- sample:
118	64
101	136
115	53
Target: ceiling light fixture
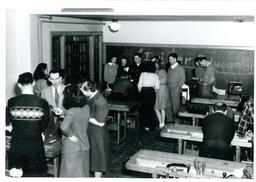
114	26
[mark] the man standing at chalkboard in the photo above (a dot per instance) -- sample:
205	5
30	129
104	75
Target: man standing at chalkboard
208	78
136	68
175	80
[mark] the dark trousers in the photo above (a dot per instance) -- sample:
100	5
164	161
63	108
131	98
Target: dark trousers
147	99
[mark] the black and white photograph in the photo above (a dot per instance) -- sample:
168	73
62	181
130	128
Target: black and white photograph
128	89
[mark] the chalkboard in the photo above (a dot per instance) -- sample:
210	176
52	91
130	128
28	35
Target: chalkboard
230	64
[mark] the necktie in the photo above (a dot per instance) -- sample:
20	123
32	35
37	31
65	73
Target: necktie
56	97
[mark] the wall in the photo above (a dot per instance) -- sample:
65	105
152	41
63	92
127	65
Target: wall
183	33
63	25
19	30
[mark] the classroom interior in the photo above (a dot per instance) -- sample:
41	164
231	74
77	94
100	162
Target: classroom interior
77	38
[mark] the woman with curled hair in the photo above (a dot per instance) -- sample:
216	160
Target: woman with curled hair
97	130
162	95
147	86
75	144
40	77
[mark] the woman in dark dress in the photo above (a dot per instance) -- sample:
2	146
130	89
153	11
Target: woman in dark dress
29	116
97	130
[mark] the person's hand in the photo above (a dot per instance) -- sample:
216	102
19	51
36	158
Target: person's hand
57	111
73	138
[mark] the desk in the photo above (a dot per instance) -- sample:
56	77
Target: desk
52	153
195	133
207	101
154	162
120	107
194	117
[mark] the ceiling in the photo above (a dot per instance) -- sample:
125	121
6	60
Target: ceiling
161	18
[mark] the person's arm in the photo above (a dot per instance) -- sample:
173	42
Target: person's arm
157	84
140	82
46	119
106	72
209	77
181	79
101	111
242	126
66	123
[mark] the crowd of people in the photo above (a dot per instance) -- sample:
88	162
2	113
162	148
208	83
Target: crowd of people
80	111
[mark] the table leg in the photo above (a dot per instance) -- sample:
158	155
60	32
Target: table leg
193	121
125	124
56	166
184	146
118	127
238	153
179	146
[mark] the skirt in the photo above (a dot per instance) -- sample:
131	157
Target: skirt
99	148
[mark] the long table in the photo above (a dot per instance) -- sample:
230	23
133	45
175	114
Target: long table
52	153
120	107
155	162
195	133
207	101
195	116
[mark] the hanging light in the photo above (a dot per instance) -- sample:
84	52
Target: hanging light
114	26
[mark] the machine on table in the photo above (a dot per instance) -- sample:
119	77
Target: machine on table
183	166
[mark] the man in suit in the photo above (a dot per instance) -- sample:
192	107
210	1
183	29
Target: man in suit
136	68
218	131
54	96
175	80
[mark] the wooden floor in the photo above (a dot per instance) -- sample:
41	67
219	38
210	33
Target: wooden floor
136	140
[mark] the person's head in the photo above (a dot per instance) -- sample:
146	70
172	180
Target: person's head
196	62
220	107
55	78
40	71
149	67
203	61
113	59
159	65
154	59
172	58
123	61
87	87
137	58
25	80
73	97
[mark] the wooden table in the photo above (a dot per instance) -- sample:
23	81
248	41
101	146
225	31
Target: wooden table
120	107
195	116
154	162
208	101
195	133
52	153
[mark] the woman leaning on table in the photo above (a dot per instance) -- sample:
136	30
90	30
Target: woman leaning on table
75	144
